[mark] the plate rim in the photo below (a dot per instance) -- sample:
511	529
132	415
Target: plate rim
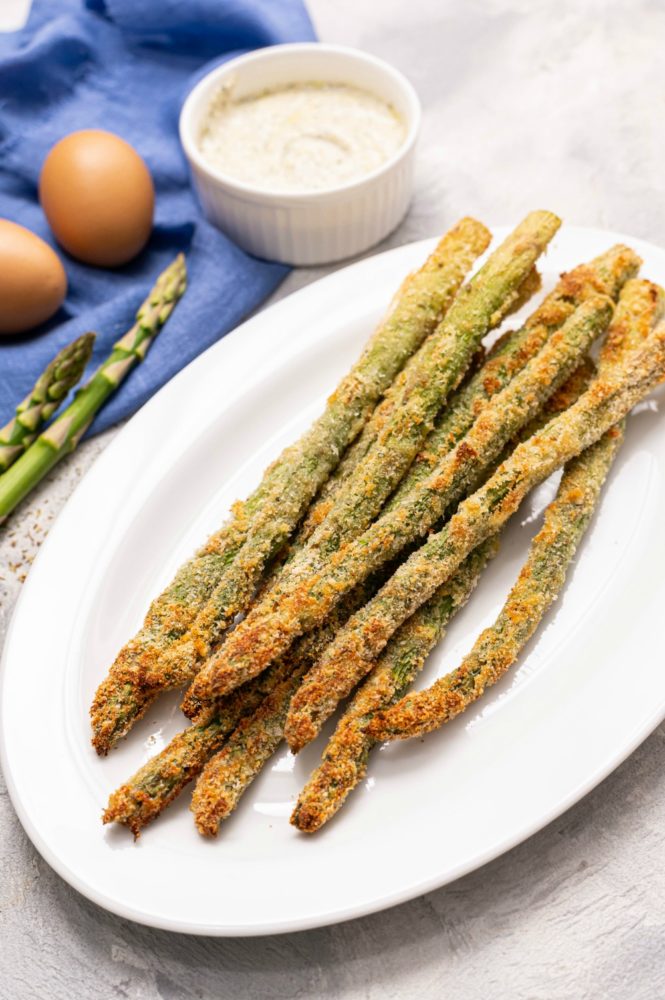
359	909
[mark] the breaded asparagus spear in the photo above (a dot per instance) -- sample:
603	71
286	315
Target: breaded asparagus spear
551	551
262	703
231	771
360	448
161	779
287	486
606	274
346	756
537	587
563	397
263	708
445	358
443	362
228	775
641	305
315	595
609	398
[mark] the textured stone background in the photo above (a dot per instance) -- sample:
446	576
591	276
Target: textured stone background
528	103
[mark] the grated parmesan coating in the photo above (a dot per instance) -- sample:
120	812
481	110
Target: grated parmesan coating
344	762
481	304
159	656
538	586
608	399
301	137
458	473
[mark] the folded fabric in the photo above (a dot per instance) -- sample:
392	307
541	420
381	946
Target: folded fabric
126	66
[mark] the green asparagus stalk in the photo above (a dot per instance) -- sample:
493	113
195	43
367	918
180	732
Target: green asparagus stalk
231	595
229	772
444	360
608	399
314	596
269	516
161	779
459	472
537	587
344	762
63	435
370	434
641	304
606	274
60	375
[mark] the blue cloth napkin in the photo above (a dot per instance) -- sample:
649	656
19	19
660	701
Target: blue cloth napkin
126	66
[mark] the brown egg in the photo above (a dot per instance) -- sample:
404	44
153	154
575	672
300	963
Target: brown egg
32	279
98	197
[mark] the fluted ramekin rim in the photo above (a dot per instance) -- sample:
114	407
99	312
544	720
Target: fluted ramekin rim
249	192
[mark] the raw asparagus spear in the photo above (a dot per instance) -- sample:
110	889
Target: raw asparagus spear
287	486
608	399
444	360
345	759
60	375
313	597
537	587
63	435
641	304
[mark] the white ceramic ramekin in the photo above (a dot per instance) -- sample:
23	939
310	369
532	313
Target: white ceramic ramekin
313	227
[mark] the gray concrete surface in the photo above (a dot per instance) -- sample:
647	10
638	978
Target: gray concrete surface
527	104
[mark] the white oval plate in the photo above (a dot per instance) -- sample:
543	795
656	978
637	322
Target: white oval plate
588	690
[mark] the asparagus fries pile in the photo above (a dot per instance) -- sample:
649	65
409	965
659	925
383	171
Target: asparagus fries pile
344	567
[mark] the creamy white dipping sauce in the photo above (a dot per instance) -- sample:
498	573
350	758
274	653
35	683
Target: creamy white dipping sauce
302	137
